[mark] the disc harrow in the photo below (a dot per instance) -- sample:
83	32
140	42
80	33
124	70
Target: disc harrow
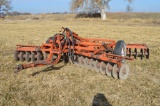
105	56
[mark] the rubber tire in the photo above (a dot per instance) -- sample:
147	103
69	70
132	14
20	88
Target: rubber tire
118	49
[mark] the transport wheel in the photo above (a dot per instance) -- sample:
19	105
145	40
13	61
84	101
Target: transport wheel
91	64
120	49
97	66
115	71
39	56
109	69
124	71
27	57
103	68
21	56
33	56
87	61
16	57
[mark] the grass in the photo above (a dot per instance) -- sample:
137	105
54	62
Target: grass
68	85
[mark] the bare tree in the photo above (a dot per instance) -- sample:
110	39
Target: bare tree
92	5
129	8
5	5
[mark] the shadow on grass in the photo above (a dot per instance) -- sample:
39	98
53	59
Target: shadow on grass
100	100
50	68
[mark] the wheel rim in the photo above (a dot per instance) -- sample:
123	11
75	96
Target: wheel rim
115	71
124	71
123	53
103	68
109	69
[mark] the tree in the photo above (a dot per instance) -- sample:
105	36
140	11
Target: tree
92	6
5	6
129	8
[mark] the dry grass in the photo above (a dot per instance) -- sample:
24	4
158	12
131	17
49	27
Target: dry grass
69	85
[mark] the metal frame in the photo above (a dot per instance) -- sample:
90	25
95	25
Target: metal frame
71	44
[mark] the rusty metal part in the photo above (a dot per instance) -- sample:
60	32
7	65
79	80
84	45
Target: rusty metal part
103	55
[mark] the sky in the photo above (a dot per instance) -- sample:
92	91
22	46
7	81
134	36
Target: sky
50	6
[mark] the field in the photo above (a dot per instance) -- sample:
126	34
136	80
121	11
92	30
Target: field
68	85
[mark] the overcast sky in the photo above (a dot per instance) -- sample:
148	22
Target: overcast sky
49	6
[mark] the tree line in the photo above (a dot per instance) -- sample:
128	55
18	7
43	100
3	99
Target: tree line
82	6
